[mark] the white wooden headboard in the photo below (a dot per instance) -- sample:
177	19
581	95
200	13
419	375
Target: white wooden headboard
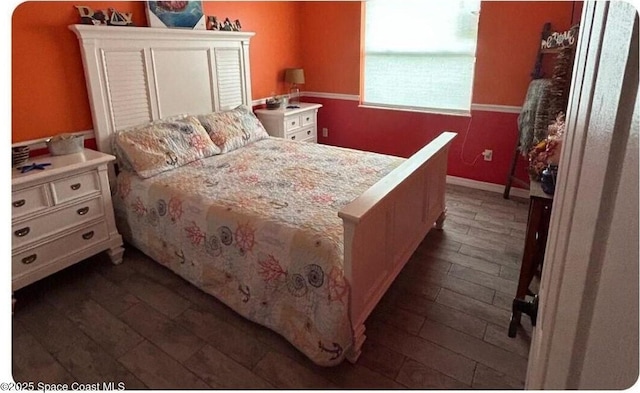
138	74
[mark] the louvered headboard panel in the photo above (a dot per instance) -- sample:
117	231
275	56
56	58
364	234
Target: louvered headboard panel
137	74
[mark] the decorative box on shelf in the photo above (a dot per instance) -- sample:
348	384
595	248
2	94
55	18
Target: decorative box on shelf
297	124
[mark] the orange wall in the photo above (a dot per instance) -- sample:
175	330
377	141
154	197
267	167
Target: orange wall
330	33
508	37
48	88
49	95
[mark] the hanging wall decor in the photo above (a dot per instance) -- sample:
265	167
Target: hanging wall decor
182	14
560	40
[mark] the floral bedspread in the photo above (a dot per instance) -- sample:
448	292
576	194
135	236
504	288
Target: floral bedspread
258	228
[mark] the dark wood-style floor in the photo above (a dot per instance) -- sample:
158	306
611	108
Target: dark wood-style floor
442	325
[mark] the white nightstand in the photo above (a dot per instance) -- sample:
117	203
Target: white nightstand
61	215
299	124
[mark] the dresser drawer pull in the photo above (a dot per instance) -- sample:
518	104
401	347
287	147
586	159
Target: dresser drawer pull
22	232
19	203
308	132
30	259
308	118
88	235
293	123
293	137
83	210
75	186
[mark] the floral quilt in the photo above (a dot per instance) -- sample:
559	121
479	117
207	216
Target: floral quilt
258	228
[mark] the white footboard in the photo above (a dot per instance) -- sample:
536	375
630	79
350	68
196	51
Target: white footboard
385	225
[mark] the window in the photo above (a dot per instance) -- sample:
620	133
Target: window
420	55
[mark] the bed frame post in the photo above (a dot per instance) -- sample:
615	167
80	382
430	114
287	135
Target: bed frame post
440	220
355	351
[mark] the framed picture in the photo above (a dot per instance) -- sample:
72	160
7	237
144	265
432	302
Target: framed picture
183	14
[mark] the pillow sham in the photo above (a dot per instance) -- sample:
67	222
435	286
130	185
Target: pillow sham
163	145
232	129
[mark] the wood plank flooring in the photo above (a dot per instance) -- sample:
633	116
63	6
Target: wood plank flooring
442	325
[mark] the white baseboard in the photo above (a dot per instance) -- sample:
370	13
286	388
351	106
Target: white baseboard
481	185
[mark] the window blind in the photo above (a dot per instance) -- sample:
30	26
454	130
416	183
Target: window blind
420	54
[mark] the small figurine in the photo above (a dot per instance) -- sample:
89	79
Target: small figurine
120	18
227	25
100	17
212	23
35	165
236	25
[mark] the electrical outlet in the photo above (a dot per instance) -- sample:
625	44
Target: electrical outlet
488	154
325	132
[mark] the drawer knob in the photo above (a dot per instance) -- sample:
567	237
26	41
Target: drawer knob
19	203
83	210
293	123
88	235
308	118
308	132
22	232
75	186
30	259
293	137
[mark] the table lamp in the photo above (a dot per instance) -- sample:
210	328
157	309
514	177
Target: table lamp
295	76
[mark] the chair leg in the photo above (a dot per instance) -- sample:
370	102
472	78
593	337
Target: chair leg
512	171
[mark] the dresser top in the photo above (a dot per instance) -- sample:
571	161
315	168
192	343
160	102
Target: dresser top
535	190
283	111
59	165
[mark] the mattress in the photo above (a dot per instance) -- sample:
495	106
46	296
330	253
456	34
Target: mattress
258	228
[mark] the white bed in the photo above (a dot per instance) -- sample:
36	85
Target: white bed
137	75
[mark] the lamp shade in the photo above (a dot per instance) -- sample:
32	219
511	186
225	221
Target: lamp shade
294	75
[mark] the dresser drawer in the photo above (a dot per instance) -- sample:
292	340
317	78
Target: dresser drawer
307	119
29	200
44	254
75	186
291	122
302	135
39	227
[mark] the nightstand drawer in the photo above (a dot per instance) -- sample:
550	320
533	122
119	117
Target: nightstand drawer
39	227
42	255
307	119
29	200
291	122
302	135
75	186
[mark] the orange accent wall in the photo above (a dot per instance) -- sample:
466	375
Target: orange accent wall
48	87
508	37
276	45
49	94
330	34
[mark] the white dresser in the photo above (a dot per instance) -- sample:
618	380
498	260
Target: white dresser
61	215
298	124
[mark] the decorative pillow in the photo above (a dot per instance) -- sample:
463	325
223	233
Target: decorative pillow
163	145
233	129
121	160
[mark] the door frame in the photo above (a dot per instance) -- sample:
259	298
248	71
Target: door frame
602	103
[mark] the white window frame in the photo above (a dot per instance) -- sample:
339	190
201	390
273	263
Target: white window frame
407	108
